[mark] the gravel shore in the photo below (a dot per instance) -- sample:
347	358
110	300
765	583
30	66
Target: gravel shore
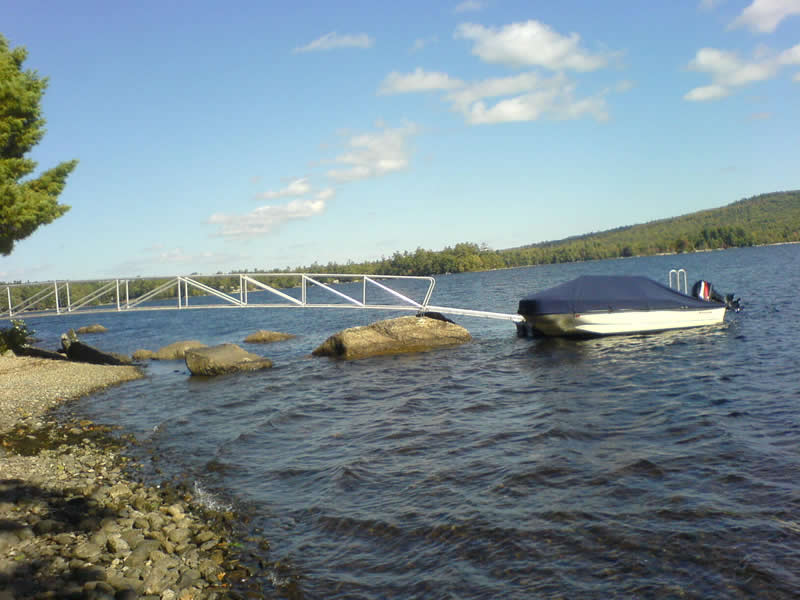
72	525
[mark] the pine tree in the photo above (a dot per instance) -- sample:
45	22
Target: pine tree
25	202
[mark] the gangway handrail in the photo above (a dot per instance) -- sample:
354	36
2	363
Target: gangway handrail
183	282
210	290
267	288
330	289
152	293
401	296
22	306
94	295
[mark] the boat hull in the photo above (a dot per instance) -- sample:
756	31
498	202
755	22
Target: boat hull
623	322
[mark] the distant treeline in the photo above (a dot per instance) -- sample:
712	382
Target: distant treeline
764	219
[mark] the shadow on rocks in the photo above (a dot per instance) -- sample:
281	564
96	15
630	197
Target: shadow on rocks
41	552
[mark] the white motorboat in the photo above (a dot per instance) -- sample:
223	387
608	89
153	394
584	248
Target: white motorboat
596	305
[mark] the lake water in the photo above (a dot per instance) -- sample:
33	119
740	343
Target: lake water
660	466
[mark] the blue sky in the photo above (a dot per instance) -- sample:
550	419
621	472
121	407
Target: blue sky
215	136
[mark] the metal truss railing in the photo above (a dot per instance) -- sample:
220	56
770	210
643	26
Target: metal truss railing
114	295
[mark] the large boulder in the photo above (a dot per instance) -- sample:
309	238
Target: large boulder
177	350
80	352
225	358
142	354
267	337
68	338
38	353
393	336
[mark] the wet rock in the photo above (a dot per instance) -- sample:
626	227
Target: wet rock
160	578
177	350
179	535
267	337
95	328
393	336
226	358
141	553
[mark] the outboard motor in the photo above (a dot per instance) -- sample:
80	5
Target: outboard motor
705	291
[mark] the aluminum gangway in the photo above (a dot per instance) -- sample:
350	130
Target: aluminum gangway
59	297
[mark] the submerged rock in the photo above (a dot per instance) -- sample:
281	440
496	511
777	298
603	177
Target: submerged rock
96	328
393	336
226	358
266	337
177	350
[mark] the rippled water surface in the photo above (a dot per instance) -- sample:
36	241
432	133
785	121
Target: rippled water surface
661	466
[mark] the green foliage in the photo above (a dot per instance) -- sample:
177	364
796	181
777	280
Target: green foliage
15	337
765	219
25	203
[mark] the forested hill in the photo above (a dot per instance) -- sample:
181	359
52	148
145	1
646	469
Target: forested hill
764	219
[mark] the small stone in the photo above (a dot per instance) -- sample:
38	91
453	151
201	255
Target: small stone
189	578
118	491
156	520
87	551
203	536
117	544
179	535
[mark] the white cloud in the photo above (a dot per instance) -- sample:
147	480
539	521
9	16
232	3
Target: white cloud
296	187
374	154
707	92
790	56
418	81
529	44
764	16
728	71
531	98
796	77
325	194
469	6
333	40
265	219
493	88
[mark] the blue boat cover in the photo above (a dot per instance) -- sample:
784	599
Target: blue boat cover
609	293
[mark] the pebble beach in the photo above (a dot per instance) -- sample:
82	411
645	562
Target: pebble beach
73	523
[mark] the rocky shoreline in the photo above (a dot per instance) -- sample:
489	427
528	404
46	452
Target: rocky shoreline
73	523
